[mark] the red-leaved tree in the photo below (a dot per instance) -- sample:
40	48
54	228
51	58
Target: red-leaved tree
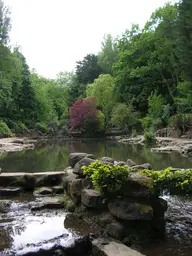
83	115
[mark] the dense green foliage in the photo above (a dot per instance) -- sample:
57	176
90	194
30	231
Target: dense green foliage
141	79
106	177
109	179
4	130
175	181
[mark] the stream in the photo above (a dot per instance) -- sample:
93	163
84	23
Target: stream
22	230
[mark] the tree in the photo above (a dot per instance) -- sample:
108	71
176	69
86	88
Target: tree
102	89
5	23
123	116
84	117
27	101
184	36
88	69
108	55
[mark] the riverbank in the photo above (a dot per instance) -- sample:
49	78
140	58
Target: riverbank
163	144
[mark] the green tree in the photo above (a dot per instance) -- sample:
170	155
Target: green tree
102	88
5	23
108	55
123	116
88	69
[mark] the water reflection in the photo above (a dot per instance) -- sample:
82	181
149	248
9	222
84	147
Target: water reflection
53	155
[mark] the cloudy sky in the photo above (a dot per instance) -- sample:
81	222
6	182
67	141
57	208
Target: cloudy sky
53	35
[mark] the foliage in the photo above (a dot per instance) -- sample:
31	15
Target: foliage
123	116
102	89
105	177
182	122
149	137
175	181
4	130
41	127
5	23
108	55
88	69
84	117
184	99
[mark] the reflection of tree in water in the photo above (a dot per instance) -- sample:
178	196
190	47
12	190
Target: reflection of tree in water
53	155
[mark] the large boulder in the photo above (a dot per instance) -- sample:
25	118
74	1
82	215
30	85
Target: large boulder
68	178
91	198
76	157
83	162
138	185
107	160
75	190
87	183
125	209
130	163
137	168
106	247
115	230
49	179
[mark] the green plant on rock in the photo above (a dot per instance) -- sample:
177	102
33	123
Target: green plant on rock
176	181
106	177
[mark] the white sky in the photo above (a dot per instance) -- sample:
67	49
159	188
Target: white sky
54	34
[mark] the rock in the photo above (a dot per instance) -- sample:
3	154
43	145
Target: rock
107	160
27	182
141	167
76	157
68	178
125	209
87	183
91	198
130	163
115	230
83	162
121	163
106	247
138	185
58	189
69	205
10	191
75	190
4	206
159	207
44	191
52	203
49	179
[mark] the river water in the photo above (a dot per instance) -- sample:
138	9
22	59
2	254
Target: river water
22	230
53	155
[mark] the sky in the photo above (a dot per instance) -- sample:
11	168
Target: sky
53	35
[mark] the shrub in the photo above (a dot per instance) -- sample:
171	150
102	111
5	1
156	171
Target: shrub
4	130
106	177
175	181
149	137
182	122
41	127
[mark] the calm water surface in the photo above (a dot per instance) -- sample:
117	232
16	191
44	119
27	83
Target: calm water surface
53	155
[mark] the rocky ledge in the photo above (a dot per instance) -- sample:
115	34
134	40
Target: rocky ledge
15	144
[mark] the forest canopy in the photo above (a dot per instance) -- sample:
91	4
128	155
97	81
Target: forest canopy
139	80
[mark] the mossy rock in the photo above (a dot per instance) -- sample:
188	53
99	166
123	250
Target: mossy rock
69	205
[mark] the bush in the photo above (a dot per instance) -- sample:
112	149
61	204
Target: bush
106	177
149	137
41	127
182	122
4	130
175	181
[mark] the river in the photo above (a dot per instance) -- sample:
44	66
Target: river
53	155
18	226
